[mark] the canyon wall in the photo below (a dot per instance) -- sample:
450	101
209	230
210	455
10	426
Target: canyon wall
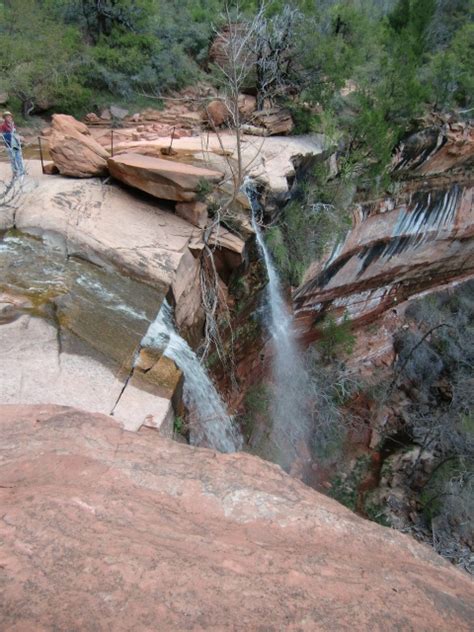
417	239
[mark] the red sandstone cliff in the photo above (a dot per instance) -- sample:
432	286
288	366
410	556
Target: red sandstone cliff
402	245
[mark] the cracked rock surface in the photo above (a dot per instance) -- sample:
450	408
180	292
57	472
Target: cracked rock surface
34	369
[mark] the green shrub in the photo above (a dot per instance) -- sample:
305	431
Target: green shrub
257	408
179	425
337	338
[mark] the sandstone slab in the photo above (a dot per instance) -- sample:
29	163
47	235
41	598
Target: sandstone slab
164	179
269	159
193	212
107	530
35	369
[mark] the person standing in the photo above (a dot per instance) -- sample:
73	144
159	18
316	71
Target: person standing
13	144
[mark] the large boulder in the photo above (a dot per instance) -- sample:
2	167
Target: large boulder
107	530
73	150
216	113
164	179
118	112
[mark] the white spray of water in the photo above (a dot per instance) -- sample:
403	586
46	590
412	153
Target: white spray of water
211	425
290	419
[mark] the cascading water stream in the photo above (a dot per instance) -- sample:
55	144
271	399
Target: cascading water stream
211	425
291	427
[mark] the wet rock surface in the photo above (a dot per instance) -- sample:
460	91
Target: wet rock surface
108	226
69	332
104	529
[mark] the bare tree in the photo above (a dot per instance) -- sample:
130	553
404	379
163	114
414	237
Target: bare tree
274	53
237	40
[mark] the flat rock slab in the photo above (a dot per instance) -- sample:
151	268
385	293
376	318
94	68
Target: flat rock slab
34	369
269	159
107	530
164	179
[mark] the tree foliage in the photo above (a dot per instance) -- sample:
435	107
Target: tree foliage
373	64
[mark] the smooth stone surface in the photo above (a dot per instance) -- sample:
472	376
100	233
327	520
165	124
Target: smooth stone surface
107	530
35	370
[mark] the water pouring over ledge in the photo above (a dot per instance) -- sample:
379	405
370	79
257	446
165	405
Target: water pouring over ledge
290	419
211	425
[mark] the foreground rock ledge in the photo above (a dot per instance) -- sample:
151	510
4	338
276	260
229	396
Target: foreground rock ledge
108	530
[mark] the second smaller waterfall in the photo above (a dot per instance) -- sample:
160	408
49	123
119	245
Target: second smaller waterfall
211	424
290	422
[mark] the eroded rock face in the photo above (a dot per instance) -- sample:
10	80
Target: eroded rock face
104	529
443	146
164	179
399	247
73	150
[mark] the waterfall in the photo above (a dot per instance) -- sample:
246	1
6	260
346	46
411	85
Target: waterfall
211	425
290	419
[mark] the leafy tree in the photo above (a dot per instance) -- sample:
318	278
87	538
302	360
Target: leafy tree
450	70
39	57
102	17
